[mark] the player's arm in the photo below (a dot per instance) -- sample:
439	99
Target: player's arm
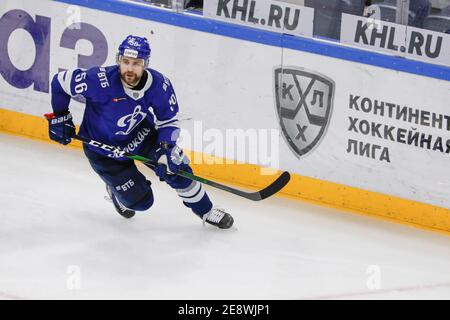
166	123
66	84
166	112
70	83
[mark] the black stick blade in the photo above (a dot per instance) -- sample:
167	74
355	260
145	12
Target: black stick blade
273	188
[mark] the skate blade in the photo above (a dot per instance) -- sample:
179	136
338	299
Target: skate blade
233	228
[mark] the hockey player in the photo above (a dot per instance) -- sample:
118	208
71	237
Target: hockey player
135	108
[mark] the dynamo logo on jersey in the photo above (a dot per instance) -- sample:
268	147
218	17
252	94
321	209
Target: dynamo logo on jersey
131	120
304	102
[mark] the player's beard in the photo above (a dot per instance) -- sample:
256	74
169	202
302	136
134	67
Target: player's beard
130	78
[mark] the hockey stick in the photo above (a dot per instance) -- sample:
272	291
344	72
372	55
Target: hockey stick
268	191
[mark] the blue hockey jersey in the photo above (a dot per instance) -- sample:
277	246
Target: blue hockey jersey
117	115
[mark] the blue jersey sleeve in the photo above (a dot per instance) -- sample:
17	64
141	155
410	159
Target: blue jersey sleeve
70	83
165	108
60	99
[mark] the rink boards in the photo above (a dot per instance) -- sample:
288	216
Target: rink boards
369	136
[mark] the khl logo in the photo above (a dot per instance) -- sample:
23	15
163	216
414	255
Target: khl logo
131	120
304	102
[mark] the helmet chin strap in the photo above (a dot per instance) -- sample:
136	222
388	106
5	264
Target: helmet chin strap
126	85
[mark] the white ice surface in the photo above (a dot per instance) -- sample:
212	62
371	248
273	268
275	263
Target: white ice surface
53	216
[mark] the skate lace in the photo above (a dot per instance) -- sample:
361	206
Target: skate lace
215	215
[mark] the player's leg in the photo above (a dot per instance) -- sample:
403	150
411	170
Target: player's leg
195	197
192	194
127	187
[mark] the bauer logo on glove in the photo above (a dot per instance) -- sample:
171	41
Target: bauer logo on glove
60	127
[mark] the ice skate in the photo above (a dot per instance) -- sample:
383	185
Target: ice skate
120	208
219	218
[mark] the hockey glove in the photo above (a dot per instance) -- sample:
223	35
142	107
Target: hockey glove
60	127
170	160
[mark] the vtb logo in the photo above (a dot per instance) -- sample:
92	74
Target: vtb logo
304	103
131	120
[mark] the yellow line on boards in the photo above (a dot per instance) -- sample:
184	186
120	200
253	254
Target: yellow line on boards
304	188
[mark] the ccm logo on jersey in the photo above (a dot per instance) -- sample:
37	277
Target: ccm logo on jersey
131	120
116	152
